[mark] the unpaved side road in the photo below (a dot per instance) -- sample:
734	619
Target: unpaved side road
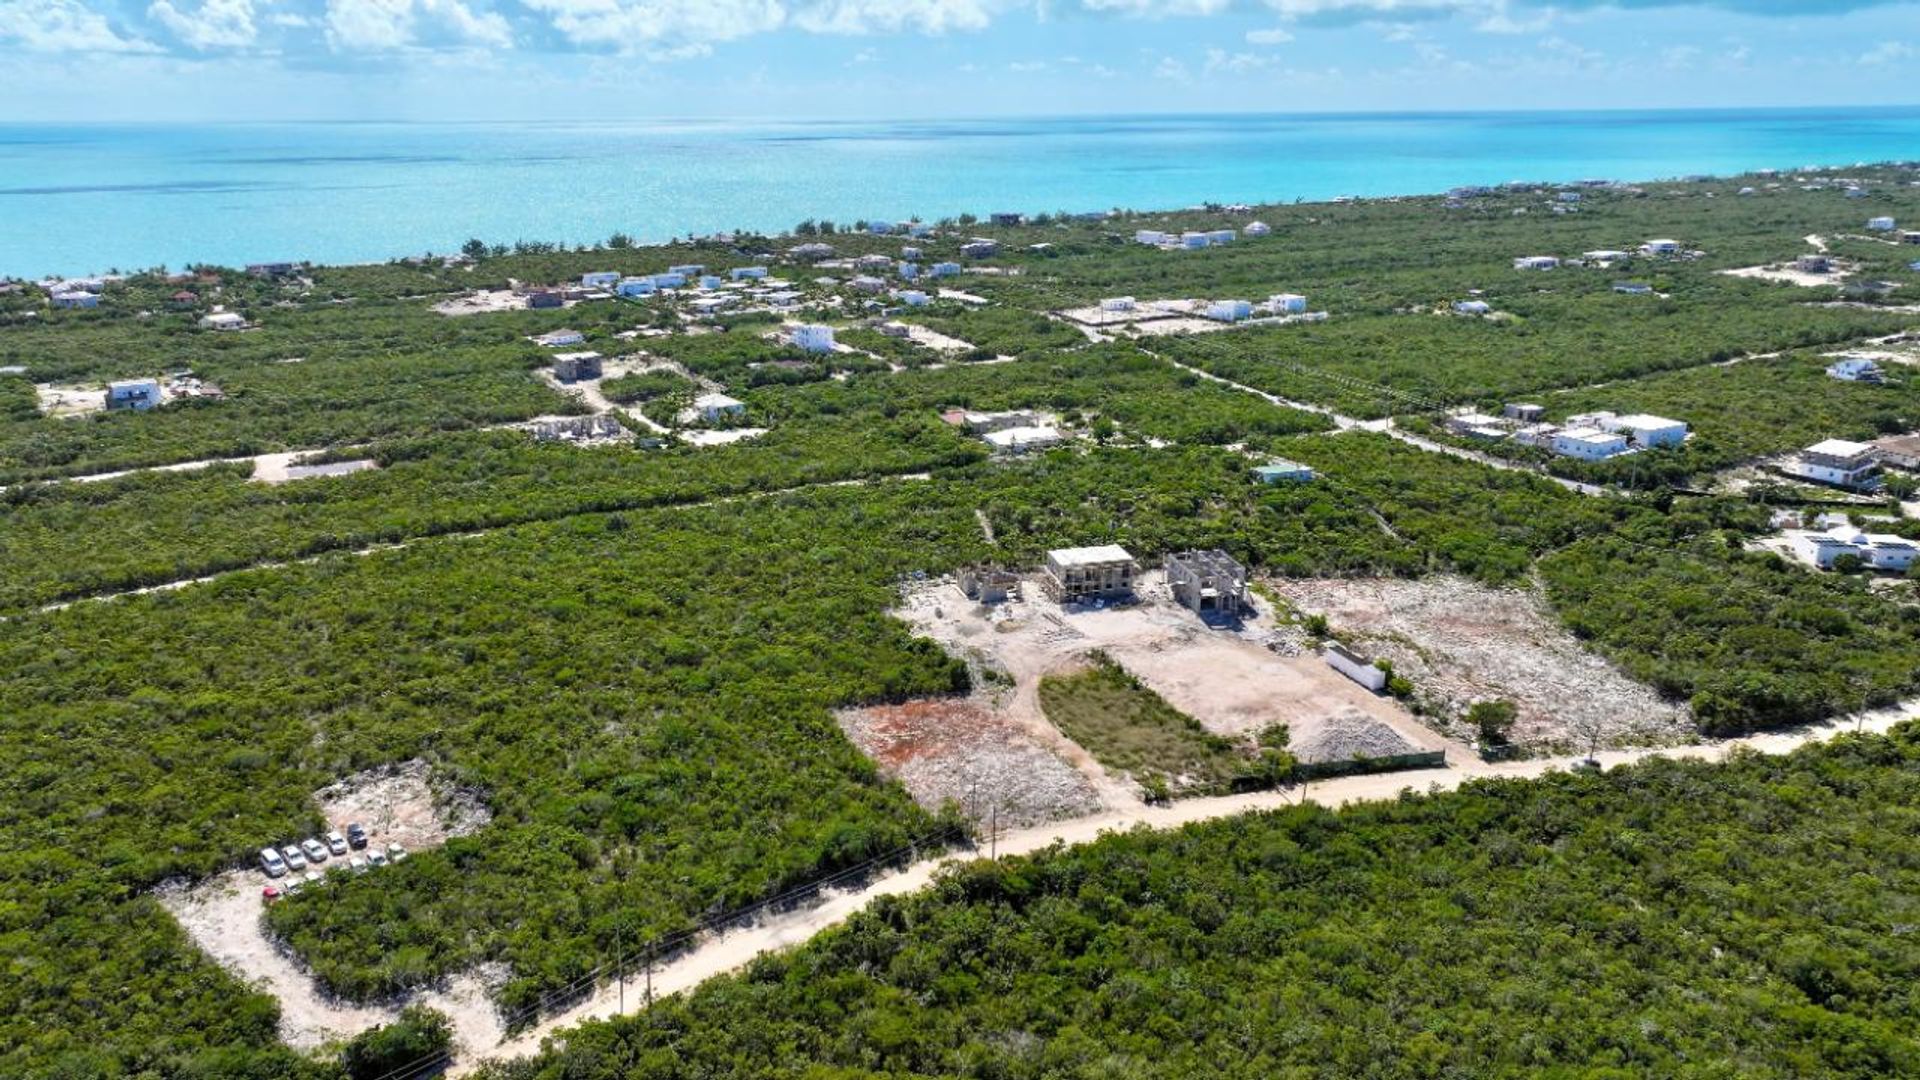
732	950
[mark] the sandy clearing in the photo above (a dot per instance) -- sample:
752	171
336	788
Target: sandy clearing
972	753
224	915
1461	642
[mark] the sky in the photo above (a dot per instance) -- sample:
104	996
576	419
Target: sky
423	60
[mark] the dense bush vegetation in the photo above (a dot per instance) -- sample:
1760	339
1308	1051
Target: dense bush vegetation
1671	919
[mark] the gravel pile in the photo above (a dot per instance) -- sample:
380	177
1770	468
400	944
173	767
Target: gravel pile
1348	734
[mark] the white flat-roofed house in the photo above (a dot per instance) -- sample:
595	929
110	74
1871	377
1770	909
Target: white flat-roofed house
1118	303
1475	425
1193	240
600	279
866	283
74	298
554	339
916	228
912	297
687	270
944	269
1221	236
1229	310
717	406
1856	369
136	394
813	338
1472	307
1632	288
1089	573
909	271
1019	440
1588	443
1257	228
1661	247
1152	237
672	279
711	281
1603	256
635	286
1882	551
709	305
1536	262
1287	303
1880	224
1840	463
880	228
223	320
980	247
1648	431
1282	471
747	273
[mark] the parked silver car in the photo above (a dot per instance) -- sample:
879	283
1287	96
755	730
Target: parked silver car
314	850
272	863
336	843
295	860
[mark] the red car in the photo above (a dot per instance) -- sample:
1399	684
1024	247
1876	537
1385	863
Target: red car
271	893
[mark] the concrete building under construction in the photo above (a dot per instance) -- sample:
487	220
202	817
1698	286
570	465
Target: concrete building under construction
1209	583
989	584
1076	575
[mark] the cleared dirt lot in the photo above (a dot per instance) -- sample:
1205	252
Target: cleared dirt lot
1235	682
224	914
972	752
1460	642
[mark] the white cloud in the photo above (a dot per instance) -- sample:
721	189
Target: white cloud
386	25
63	26
1273	36
218	24
1240	63
1679	57
1172	70
1888	52
643	25
892	16
1027	66
1158	8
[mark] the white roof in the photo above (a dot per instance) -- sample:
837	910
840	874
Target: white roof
1022	436
1089	556
576	356
1839	448
1590	435
717	401
1647	420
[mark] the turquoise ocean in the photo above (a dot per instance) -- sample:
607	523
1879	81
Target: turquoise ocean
91	198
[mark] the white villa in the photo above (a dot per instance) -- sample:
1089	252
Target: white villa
1229	310
1536	262
1882	551
1643	429
1661	247
1472	307
1880	224
1840	463
1118	303
600	279
813	337
1855	369
1588	443
1287	303
715	406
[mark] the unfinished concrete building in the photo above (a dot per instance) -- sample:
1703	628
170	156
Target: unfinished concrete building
580	429
575	366
989	584
1076	575
1209	583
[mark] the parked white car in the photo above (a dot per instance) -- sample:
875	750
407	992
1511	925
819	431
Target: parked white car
396	853
295	860
376	857
314	850
272	863
336	843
